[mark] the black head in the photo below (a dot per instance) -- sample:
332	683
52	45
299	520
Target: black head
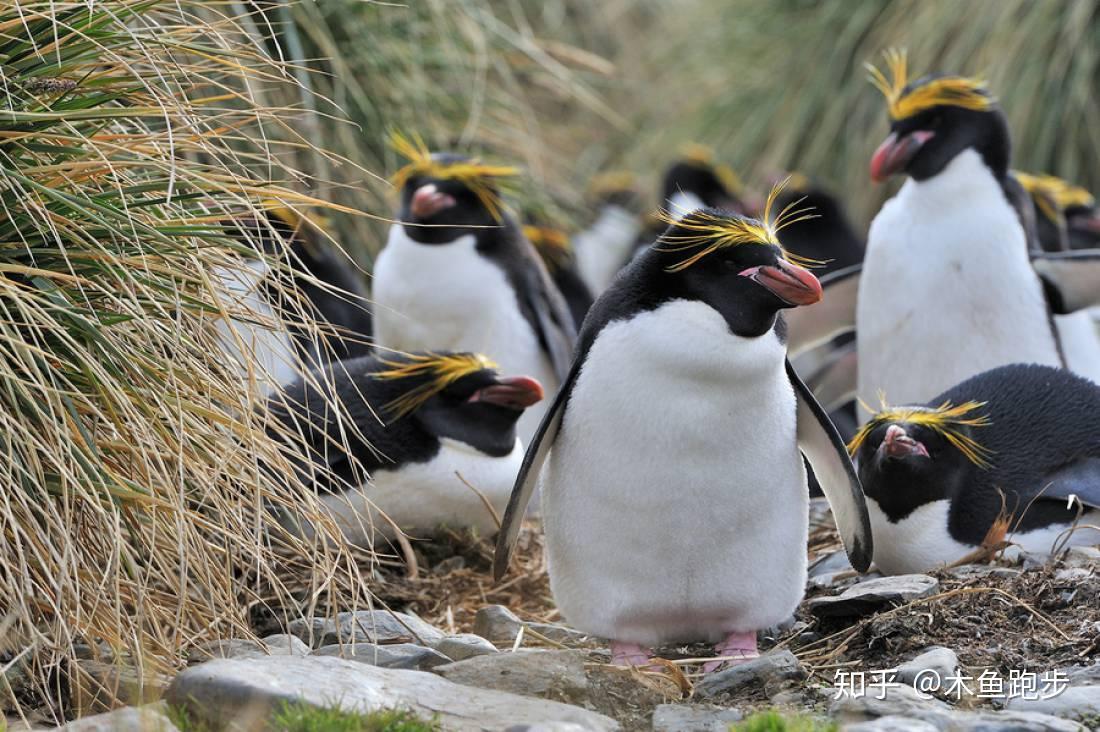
459	396
1081	214
444	195
935	118
908	457
715	185
731	263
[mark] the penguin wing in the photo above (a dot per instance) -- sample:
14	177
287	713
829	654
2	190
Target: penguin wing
1071	279
1079	480
834	382
552	321
528	477
811	326
825	451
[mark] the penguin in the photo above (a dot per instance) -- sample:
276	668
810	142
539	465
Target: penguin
556	250
947	288
395	442
1010	453
1077	333
827	236
695	181
605	246
674	494
456	273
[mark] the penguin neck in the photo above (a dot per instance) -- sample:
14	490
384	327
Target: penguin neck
899	489
965	180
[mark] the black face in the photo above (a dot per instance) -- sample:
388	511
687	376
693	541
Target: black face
481	410
904	466
922	145
748	283
442	210
700	179
1083	227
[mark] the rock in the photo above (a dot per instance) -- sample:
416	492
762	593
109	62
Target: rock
497	623
97	686
547	727
770	667
938	660
367	626
904	702
284	644
871	595
1079	675
1074	701
465	645
233	691
966	571
693	718
1082	556
775	631
830	564
1073	574
892	723
398	655
230	648
308	630
149	718
558	633
555	675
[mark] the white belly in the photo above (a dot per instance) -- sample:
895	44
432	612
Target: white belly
920	542
1080	344
603	248
257	343
674	499
449	297
421	497
947	289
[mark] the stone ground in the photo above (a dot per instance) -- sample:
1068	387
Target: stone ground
475	656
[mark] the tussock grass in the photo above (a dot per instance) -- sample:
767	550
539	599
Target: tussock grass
781	85
132	501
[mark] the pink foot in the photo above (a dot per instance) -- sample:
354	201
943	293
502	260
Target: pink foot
629	654
736	649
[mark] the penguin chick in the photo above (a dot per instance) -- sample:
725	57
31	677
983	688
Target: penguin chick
674	494
457	274
998	456
390	441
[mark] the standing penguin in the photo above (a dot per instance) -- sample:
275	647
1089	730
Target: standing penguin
457	274
606	245
1012	452
947	288
420	429
697	181
827	236
674	491
557	254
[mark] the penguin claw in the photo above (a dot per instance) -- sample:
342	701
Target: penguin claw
630	654
736	649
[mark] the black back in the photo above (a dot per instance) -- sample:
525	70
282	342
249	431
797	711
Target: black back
829	237
309	423
1042	421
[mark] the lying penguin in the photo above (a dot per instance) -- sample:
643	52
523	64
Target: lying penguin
674	494
423	426
457	273
1010	453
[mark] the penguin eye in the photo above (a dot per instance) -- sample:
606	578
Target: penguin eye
730	264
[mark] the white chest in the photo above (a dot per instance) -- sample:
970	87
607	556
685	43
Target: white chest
421	497
604	247
947	289
917	543
450	297
674	499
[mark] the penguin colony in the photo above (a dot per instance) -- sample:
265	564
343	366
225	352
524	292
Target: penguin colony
701	368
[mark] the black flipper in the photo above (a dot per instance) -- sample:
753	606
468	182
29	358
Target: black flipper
823	448
813	325
1071	279
1080	480
528	477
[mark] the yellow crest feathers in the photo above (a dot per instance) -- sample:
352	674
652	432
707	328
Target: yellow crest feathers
552	244
954	91
945	420
482	179
612	181
707	233
1062	193
434	372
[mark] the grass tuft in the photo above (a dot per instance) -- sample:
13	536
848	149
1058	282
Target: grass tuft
301	717
773	721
